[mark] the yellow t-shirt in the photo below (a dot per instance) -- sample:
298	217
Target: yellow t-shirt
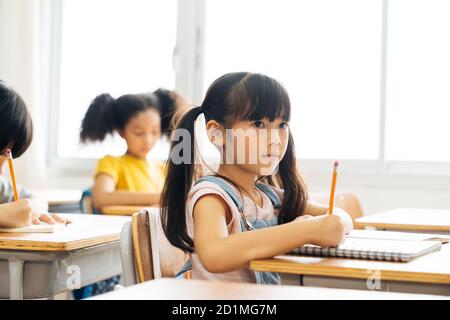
132	174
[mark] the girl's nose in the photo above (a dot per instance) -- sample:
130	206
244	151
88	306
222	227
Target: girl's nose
274	137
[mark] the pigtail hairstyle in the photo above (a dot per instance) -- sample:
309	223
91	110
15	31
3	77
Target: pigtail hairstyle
295	194
177	185
106	114
98	121
167	105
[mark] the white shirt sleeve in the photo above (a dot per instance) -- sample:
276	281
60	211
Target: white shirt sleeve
7	191
346	219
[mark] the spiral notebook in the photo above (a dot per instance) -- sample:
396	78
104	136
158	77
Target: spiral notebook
372	249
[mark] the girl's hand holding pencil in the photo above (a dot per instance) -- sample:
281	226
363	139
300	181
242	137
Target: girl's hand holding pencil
336	211
328	230
17	214
22	211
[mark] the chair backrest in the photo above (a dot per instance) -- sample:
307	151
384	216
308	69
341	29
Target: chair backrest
86	202
145	251
127	256
346	201
142	247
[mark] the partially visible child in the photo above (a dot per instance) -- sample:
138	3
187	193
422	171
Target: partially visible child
16	133
141	120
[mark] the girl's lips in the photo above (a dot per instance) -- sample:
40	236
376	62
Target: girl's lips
271	156
146	150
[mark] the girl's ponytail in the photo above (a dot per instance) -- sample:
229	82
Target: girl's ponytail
167	106
295	195
178	183
99	120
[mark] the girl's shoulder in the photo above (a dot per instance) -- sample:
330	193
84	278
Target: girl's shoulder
207	186
110	165
211	182
110	160
211	186
214	184
123	160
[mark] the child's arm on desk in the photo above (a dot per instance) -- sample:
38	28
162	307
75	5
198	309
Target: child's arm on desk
39	208
316	209
15	214
21	213
221	252
104	193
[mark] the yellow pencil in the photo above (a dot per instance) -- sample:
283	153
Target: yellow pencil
11	173
333	187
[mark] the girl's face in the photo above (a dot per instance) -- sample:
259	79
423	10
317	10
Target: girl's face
142	132
257	146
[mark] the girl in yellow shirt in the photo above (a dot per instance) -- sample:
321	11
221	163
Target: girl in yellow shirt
141	120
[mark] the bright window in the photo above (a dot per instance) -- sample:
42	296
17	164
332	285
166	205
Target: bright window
327	53
418	80
118	47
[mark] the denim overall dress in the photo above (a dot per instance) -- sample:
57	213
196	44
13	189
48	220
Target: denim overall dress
261	277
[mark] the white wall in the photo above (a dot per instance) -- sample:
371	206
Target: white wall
21	67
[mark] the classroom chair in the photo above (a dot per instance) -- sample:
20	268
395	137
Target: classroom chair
86	202
346	201
146	253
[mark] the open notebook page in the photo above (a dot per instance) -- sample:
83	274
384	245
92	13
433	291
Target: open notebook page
394	235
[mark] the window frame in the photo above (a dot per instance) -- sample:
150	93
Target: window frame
188	64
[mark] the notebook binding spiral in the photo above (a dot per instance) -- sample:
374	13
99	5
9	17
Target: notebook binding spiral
370	254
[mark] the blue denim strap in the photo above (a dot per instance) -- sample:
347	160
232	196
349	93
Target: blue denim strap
226	187
186	267
273	196
261	276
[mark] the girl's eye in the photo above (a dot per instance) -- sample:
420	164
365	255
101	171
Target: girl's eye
258	124
138	133
283	125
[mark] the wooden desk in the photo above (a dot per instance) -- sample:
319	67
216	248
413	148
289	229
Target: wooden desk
84	231
38	265
424	220
431	270
174	289
60	200
122	210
